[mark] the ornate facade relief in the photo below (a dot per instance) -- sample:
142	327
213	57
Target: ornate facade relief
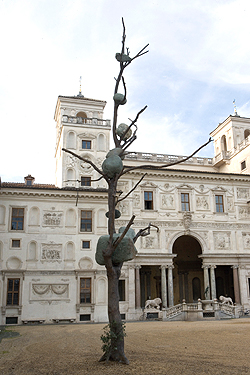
167	202
51	252
230	204
85	263
244	212
202	202
123	207
222	240
246	240
52	218
70	161
242	193
123	186
49	291
148	242
187	220
137	200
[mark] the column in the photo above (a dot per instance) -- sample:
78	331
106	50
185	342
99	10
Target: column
206	283
163	286
131	287
236	285
137	287
213	283
180	276
186	289
170	286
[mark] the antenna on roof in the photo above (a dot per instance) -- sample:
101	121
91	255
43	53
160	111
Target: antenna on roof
235	108
80	89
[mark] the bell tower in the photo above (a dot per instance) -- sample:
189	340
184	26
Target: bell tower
80	128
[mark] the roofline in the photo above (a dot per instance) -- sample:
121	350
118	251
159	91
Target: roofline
226	121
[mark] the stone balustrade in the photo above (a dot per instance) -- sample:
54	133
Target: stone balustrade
164	159
85	121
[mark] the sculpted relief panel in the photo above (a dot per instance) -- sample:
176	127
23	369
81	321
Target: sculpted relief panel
51	252
167	201
244	212
48	292
222	240
202	202
246	240
52	218
242	193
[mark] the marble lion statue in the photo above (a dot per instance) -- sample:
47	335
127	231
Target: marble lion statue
153	304
226	300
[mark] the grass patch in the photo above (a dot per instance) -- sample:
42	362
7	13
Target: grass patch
7	333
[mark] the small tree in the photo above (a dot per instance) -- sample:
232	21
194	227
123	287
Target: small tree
119	247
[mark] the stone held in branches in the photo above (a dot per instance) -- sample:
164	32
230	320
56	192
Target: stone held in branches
122	57
119	99
124	252
113	165
123	131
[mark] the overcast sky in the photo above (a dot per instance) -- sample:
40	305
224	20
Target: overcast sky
198	63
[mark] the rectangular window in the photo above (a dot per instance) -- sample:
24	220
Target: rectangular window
86	221
86	244
185	205
85	290
13	291
148	200
243	165
86	144
85	181
121	289
15	243
219	203
17	218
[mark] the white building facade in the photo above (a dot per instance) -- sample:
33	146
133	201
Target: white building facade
199	248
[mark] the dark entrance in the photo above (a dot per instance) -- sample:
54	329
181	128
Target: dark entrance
188	273
224	282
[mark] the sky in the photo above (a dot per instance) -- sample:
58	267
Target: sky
198	63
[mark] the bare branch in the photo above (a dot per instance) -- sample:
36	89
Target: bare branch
119	200
86	161
119	239
144	232
148	166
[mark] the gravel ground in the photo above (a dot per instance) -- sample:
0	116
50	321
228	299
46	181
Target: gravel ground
211	347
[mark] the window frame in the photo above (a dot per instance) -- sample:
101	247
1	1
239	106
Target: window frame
82	291
85	248
13	219
11	243
148	203
219	204
87	141
185	203
13	291
84	221
243	165
88	179
122	290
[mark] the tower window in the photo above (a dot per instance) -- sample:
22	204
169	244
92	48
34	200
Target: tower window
243	165
185	204
148	200
85	181
86	144
219	203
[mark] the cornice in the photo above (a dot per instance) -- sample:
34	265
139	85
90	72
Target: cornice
55	194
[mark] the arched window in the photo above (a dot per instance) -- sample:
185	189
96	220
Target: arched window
81	118
223	143
71	140
246	133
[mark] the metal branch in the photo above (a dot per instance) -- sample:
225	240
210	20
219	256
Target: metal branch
86	161
119	200
119	239
145	232
148	166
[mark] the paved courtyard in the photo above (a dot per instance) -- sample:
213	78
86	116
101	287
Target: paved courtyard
211	347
